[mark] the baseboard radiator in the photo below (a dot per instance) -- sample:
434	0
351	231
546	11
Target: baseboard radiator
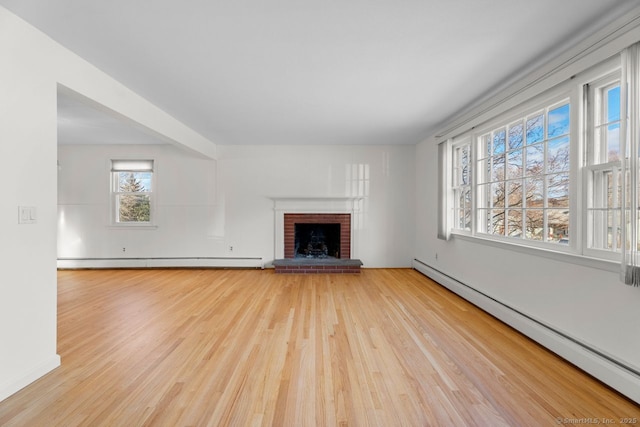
615	373
179	262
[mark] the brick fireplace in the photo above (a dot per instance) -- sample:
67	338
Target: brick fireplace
342	220
331	212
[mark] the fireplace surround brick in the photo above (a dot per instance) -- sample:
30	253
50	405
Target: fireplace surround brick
291	219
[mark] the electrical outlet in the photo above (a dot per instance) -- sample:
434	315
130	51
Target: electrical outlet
124	249
436	256
230	248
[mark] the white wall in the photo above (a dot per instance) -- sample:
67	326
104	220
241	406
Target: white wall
27	252
185	212
32	68
205	207
250	176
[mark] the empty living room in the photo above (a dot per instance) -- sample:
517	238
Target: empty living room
304	213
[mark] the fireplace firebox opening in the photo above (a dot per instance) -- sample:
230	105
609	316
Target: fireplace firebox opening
333	230
317	241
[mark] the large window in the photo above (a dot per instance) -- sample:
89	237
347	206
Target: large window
546	174
523	175
131	191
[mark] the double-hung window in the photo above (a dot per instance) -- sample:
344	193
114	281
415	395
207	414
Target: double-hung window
603	169
132	192
461	184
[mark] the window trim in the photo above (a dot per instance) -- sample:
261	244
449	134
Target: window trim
143	162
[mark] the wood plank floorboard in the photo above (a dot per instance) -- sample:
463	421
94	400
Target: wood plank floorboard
386	347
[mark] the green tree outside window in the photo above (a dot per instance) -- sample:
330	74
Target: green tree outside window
133	206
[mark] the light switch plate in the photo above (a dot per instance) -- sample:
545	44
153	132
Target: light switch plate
27	214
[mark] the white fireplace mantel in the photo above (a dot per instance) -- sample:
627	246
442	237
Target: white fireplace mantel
316	204
283	205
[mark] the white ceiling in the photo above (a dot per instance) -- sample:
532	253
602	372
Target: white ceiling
310	71
81	121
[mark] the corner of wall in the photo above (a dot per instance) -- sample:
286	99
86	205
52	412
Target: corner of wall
13	385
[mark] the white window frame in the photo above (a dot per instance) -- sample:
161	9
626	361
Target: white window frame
118	165
547	102
596	170
461	184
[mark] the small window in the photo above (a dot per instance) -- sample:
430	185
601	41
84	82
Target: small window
461	181
132	191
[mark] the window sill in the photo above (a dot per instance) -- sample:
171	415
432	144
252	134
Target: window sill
582	260
132	227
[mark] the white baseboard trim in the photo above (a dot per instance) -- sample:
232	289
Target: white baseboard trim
21	381
186	262
623	378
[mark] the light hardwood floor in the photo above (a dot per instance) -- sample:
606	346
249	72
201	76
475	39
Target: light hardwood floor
247	347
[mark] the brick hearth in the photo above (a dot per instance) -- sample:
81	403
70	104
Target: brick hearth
316	266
